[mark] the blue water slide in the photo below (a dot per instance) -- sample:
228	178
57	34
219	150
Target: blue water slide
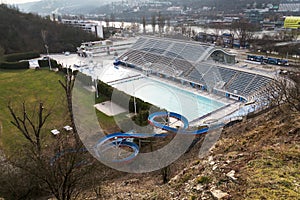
156	124
184	120
119	139
59	154
195	132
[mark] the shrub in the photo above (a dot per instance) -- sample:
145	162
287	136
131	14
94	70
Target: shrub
203	180
14	65
20	56
141	118
122	99
83	78
45	63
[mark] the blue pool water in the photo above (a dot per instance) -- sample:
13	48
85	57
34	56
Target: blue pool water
165	96
171	98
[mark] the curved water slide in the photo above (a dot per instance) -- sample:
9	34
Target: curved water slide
182	130
159	120
121	140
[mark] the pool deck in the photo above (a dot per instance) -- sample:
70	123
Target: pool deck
230	105
109	108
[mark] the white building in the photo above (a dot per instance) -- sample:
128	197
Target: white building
91	27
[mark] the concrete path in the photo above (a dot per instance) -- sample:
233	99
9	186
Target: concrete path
109	108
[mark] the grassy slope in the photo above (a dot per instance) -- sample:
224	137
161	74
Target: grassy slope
31	87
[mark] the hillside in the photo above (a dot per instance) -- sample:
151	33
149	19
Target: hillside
254	159
22	32
46	7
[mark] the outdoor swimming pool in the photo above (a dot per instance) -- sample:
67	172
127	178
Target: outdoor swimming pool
162	95
171	98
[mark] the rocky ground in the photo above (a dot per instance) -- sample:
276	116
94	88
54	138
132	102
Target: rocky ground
257	158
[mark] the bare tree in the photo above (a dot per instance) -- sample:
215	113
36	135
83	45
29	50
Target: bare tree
27	126
44	37
292	35
243	30
161	23
2	51
106	22
194	33
166	173
68	85
144	24
153	23
283	91
61	168
168	25
14	185
183	29
112	19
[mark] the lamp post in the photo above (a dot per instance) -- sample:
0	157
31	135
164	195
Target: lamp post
134	102
96	84
46	46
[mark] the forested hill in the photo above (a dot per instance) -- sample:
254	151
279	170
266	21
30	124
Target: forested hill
20	32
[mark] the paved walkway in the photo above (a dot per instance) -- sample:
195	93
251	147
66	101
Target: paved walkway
219	115
109	108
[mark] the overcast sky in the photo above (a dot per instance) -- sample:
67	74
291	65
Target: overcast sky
16	1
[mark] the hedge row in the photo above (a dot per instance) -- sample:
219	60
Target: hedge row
11	61
84	79
109	93
20	56
14	65
45	63
121	98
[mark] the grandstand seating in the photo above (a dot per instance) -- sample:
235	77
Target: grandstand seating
173	55
177	58
139	43
203	68
206	73
162	45
176	49
188	52
240	82
196	76
182	65
256	84
155	50
226	73
149	43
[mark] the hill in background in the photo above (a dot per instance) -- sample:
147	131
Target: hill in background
46	7
22	32
78	7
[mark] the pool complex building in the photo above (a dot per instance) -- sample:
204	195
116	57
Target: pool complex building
193	64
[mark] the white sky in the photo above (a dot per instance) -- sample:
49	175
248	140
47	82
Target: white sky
16	1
